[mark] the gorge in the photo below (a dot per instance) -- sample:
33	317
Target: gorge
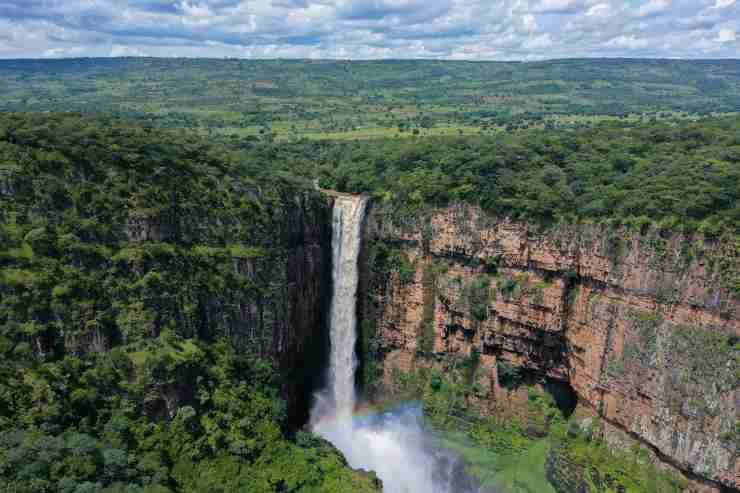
640	327
393	443
176	318
581	313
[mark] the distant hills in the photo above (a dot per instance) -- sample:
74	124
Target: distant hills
289	99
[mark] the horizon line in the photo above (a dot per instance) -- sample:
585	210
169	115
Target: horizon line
346	60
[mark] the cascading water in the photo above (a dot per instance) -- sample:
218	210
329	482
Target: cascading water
394	444
346	240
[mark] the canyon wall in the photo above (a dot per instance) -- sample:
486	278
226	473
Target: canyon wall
299	305
644	327
282	315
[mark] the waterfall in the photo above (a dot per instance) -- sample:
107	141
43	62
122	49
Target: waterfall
346	240
393	443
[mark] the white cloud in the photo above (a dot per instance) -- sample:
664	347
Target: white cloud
122	51
726	36
653	7
197	14
529	22
630	42
721	4
601	10
538	42
556	6
469	29
71	51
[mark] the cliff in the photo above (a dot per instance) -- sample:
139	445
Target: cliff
644	327
158	295
297	291
303	286
277	312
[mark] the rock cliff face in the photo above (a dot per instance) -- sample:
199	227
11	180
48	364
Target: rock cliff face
644	327
283	316
300	302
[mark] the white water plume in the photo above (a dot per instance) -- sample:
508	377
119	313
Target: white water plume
394	444
346	240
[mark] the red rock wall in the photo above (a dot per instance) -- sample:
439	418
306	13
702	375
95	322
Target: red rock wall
641	326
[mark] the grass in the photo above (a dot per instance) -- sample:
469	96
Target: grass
514	473
369	100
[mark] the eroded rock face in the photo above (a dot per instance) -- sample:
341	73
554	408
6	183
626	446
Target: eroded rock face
298	296
281	316
645	327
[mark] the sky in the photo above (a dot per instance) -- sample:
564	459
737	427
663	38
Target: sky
371	29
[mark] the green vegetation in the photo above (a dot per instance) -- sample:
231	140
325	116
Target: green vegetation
503	459
478	297
304	99
681	177
390	259
538	292
690	357
644	349
537	449
425	334
371	365
384	260
81	424
142	268
127	364
580	462
510	287
705	355
510	376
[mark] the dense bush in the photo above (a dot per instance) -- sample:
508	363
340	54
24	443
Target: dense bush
679	177
538	447
126	255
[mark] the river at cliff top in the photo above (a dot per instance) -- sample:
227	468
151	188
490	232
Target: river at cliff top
404	454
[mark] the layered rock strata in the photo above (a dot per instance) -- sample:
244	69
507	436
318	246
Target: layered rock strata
644	327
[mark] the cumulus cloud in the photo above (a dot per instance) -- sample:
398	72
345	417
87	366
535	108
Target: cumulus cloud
720	4
631	42
726	36
458	29
653	7
557	6
126	51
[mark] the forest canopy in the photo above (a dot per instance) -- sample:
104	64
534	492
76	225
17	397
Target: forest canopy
121	366
126	250
680	177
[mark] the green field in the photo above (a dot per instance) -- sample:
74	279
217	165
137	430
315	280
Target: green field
287	100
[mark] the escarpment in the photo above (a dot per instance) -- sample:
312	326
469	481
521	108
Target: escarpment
280	314
643	326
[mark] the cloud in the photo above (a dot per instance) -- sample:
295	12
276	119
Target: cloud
529	22
414	10
459	29
557	6
631	42
538	42
653	7
125	51
71	51
599	10
721	4
726	36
